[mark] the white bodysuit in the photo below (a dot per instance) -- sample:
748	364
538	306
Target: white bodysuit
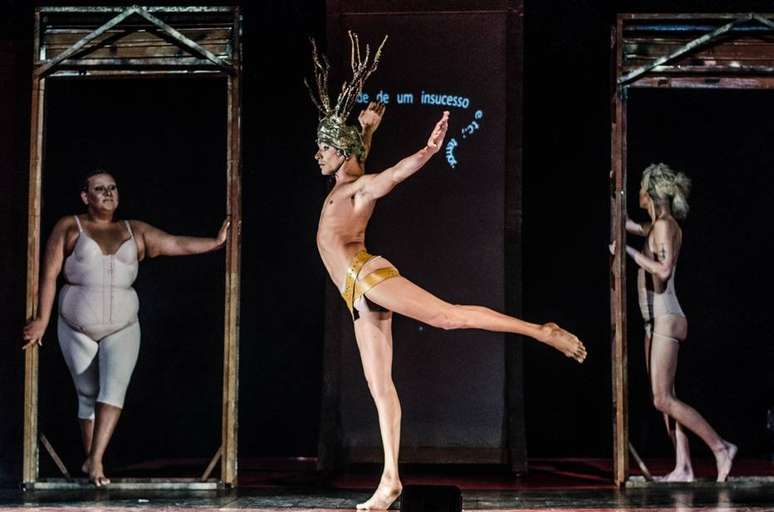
98	330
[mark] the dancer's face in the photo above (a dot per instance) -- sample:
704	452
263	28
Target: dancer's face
328	158
644	198
102	193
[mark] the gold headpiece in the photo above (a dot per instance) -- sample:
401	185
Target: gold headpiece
333	129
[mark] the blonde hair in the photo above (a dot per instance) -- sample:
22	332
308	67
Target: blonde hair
664	184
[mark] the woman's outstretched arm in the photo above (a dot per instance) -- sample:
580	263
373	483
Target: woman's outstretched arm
159	243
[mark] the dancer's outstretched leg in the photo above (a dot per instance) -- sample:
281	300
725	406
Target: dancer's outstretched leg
663	367
373	331
404	297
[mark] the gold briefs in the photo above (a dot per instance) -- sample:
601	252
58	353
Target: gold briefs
354	287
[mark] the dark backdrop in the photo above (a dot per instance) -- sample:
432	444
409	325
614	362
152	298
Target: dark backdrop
567	128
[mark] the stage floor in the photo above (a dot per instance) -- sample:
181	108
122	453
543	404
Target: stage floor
567	484
264	500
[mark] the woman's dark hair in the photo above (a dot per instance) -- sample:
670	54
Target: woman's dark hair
89	175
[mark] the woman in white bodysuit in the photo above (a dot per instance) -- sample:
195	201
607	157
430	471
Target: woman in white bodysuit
664	195
97	325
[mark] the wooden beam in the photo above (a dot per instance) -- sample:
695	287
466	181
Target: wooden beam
215	458
30	450
233	268
618	270
683	50
167	62
185	42
704	82
55	456
43	69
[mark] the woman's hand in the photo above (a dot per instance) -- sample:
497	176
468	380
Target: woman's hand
223	232
33	333
439	132
611	248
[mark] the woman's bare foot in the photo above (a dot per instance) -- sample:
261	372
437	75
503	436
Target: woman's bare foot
95	472
725	459
563	341
384	496
683	474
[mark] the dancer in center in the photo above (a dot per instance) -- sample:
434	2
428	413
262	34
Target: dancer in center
370	285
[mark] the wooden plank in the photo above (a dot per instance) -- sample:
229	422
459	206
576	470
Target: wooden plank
126	34
729	50
55	456
97	73
161	9
146	51
215	458
618	270
42	70
233	267
704	82
139	44
30	449
683	50
188	62
184	41
626	17
705	71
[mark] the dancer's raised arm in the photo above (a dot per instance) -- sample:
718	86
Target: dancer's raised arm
379	185
370	118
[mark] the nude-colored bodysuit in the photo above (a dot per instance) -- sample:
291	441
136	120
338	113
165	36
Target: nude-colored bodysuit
98	328
654	305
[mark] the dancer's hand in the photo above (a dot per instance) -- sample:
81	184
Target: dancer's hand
371	116
223	233
33	333
611	248
439	132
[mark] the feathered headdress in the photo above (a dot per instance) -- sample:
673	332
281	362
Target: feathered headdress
333	129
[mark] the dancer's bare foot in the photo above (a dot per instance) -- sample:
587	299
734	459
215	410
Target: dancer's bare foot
725	459
95	472
563	341
384	496
683	474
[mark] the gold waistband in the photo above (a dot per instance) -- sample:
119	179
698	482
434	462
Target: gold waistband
355	288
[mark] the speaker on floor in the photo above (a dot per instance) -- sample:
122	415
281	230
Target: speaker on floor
431	498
